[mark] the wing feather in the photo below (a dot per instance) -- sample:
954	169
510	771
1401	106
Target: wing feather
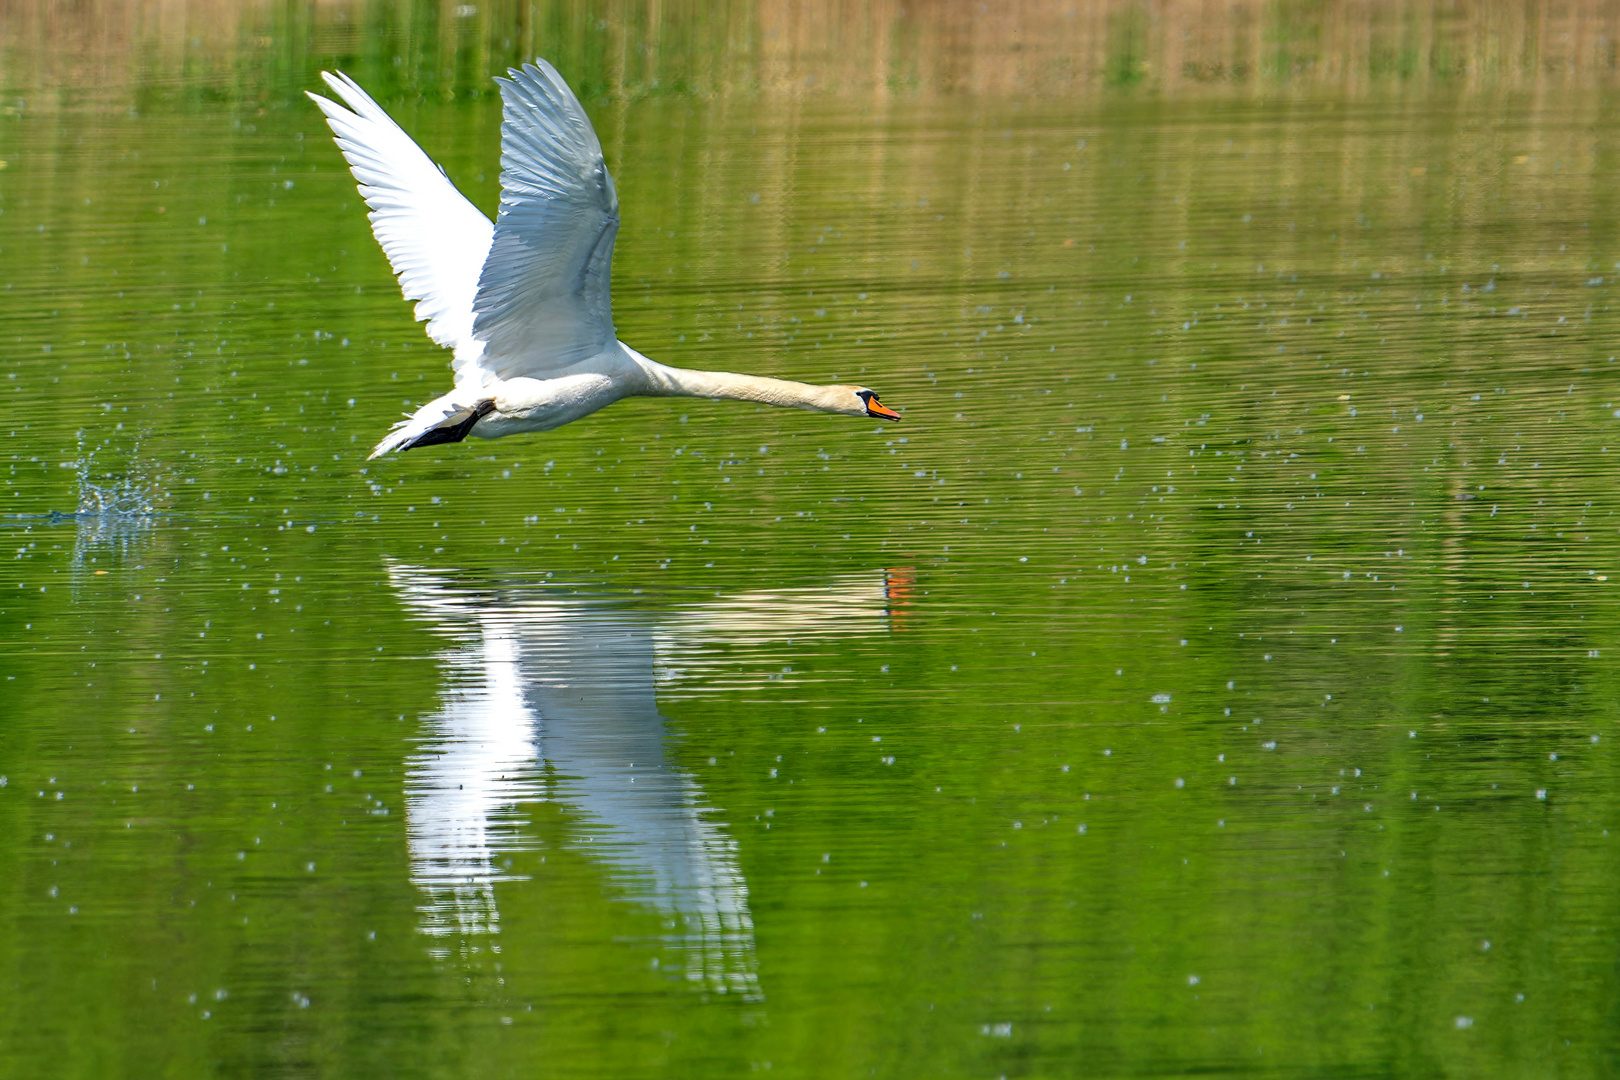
434	238
543	300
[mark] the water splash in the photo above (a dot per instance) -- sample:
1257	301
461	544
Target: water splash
128	496
116	510
133	489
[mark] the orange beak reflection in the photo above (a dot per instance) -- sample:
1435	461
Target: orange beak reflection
874	407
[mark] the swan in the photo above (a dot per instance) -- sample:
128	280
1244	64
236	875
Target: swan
523	302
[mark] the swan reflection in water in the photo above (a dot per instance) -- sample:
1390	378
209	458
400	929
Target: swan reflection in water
540	684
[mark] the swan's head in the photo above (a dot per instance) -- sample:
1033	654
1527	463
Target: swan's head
869	405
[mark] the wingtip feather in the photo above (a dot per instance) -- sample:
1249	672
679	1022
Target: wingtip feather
354	96
338	81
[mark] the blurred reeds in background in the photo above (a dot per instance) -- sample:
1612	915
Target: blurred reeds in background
877	48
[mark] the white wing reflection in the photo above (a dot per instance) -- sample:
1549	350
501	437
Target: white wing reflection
463	786
540	684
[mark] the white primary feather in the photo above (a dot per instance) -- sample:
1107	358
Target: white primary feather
434	238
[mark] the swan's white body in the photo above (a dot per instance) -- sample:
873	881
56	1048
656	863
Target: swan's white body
525	301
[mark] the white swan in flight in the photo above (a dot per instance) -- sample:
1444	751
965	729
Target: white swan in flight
524	302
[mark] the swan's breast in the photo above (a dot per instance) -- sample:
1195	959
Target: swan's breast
524	404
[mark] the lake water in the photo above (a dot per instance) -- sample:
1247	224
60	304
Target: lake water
1214	672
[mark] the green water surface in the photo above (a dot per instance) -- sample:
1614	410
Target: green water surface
1213	672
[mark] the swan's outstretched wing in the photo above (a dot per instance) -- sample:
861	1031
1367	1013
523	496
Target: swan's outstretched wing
543	301
434	238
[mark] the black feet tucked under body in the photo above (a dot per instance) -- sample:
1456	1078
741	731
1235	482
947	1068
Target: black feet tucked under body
434	436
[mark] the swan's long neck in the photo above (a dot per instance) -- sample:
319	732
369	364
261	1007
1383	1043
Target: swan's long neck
664	381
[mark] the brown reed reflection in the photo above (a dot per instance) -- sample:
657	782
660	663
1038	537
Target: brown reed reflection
886	48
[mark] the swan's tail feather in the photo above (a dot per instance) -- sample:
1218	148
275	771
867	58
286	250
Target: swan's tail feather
437	422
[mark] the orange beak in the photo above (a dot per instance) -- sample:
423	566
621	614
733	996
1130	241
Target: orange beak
876	408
